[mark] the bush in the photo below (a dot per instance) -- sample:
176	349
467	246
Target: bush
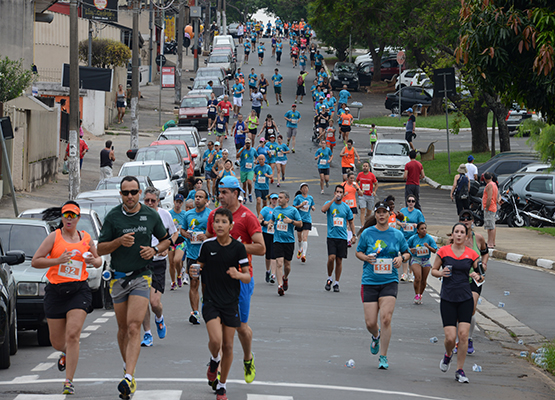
106	53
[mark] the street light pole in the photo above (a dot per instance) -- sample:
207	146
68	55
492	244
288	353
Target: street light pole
179	66
134	137
73	165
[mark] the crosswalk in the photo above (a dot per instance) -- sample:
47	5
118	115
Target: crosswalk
146	395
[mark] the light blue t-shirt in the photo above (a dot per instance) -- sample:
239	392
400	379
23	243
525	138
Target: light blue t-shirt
237	89
277	80
338	215
387	244
285	233
330	103
178	219
208	166
302	59
324	161
415	242
197	223
272	152
260	179
344	96
279	47
266	213
261	49
295	116
191	194
281	156
252	79
247	159
247	45
306	209
411	218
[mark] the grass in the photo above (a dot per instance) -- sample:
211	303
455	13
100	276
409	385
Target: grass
543	231
432	121
438	169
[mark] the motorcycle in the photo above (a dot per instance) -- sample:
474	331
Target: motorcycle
170	47
539	212
509	212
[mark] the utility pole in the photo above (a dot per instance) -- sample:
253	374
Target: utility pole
224	19
150	48
90	42
179	67
73	165
219	16
134	139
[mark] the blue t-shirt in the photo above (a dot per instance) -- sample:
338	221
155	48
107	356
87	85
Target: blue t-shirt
295	116
247	47
344	96
247	159
208	166
237	89
260	179
262	150
285	233
196	223
416	242
277	80
191	194
252	79
302	59
212	106
338	215
281	156
266	213
261	49
411	218
324	161
272	152
239	133
279	47
178	219
306	209
318	59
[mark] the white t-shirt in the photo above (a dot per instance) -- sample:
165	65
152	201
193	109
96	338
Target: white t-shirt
167	220
471	170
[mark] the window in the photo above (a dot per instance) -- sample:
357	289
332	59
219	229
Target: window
507	167
26	238
155	172
543	184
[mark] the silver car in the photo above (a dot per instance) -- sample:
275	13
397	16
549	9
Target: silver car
191	136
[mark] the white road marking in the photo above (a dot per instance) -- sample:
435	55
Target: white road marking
54	355
100	320
434	294
42	367
25	379
40	397
84	335
267	397
313	232
109	314
437	300
92	327
157	394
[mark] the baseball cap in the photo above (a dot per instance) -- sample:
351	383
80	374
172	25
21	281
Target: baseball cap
466	213
328	96
216	143
409	109
272	135
347	109
178	197
294	105
248	140
274	196
225	151
470	158
71	208
381	204
262	139
230	182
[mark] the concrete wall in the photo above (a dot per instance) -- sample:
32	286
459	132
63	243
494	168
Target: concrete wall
16	30
93	112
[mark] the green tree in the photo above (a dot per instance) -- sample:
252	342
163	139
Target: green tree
241	10
330	31
287	10
106	53
14	79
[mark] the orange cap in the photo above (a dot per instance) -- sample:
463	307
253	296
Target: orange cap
72	208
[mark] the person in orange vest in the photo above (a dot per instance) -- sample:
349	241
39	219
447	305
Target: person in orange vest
345	121
348	155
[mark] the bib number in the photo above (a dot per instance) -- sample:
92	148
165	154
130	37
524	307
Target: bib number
305	207
194	237
261	179
248	165
280	154
281	226
410	228
350	203
212	110
383	266
294	121
422	251
365	187
72	270
323	161
338	222
220	126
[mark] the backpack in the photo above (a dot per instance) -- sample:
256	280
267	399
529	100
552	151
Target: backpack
461	191
300	80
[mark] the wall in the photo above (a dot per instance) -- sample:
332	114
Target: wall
16	23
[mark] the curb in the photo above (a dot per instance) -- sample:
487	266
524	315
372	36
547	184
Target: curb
126	133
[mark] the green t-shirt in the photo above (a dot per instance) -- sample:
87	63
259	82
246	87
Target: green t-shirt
145	223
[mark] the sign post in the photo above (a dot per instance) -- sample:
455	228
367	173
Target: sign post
444	83
401	57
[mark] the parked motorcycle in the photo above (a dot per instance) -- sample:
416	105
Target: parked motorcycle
509	212
539	212
170	47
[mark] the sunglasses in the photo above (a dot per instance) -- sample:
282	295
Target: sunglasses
70	215
468	218
133	192
411	201
154	201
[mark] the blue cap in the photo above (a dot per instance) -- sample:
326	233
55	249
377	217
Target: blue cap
274	196
230	182
409	109
178	197
470	158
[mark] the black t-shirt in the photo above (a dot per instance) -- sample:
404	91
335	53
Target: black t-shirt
456	288
220	288
105	160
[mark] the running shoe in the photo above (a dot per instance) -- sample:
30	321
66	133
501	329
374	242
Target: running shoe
300	101
292	150
470	347
277	103
336	288
375	346
173	286
285	284
126	388
250	369
214	384
225	137
327	184
303	258
148	341
212	372
220	394
411	278
268	276
62	362
185	279
194	318
209	133
277	185
280	99
444	364
280	291
282	177
456	349
179	281
461	377
383	363
322	192
295	100
250	198
418	299
299	254
68	387
161	329
404	277
349	243
328	285
272	279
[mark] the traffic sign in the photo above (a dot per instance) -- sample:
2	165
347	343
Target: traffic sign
401	57
160	58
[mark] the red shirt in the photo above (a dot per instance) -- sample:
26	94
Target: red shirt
245	225
414	169
83	148
225	106
367	182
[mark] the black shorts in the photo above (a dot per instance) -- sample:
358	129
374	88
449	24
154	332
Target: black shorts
300	90
158	275
307	226
409	136
212	116
252	87
354	210
325	171
229	316
277	89
453	312
284	250
260	55
61	298
269	242
475	288
239	146
337	247
312	58
345	128
372	293
253	131
345	170
323	126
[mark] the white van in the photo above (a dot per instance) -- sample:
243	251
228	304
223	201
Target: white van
224	40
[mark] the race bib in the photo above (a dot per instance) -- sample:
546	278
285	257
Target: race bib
271	130
72	270
272	153
262	90
280	154
422	251
261	179
323	121
248	165
373	136
194	237
212	109
409	227
392	224
365	187
383	266
323	161
220	126
350	203
330	134
294	121
338	222
281	226
305	207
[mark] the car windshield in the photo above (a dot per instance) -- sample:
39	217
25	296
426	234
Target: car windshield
26	238
392	149
344	68
215	59
100	207
186	137
209	72
108	184
193	102
154	172
168	155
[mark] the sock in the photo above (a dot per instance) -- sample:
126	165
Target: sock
335	283
300	246
379	334
472	326
124	363
150	333
330	279
220	385
129	377
349	235
305	248
217	359
156	319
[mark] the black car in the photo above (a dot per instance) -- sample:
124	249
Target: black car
365	74
410	95
504	166
8	311
344	73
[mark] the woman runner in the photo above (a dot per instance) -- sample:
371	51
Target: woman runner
421	245
265	217
305	204
412	216
252	124
281	159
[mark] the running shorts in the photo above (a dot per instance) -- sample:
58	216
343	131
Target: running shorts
307	226
475	288
229	316
158	275
460	311
139	286
423	262
366	201
245	300
261	193
284	250
247	175
61	298
337	247
291	132
269	242
325	171
371	293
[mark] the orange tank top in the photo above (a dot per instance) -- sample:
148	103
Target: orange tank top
494	193
350	197
75	269
392	221
348	159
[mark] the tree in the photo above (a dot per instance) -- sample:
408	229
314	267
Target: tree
14	79
241	10
106	53
330	31
287	10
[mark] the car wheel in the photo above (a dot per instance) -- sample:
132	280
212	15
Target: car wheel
43	335
13	335
395	109
98	295
5	349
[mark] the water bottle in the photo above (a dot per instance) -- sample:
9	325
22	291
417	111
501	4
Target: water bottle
477	368
501	305
87	254
506	293
107	275
433	340
521	341
350	363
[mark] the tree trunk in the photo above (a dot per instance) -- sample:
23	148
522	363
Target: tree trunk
500	112
475	110
437	106
376	55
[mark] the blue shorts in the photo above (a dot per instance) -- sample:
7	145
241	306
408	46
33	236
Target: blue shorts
245	300
261	193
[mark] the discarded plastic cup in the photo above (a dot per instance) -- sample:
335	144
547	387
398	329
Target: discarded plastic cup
433	340
501	305
506	293
479	301
523	353
350	363
477	368
521	341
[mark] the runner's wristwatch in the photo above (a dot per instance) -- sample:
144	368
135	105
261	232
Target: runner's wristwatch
156	249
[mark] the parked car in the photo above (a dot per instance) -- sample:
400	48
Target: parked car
533	167
188	158
344	73
169	154
233	29
160	174
389	67
114	183
8	304
387	53
389	159
193	111
504	166
225	40
406	76
191	136
201	82
409	97
516	116
531	185
224	60
365	74
102	205
211	72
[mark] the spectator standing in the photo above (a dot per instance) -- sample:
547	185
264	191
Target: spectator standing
471	169
410	128
107	158
460	189
489	203
414	172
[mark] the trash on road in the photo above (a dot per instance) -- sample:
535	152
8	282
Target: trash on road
501	305
350	363
433	340
477	368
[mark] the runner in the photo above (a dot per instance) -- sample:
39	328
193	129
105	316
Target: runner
323	158
213	159
225	106
219	261
345	120
456	261
373	137
256	99
301	86
412	216
294	54
272	147
352	190
67	297
330	135
263	87
379	248
303	59
253	81
197	185
239	133
281	159
274	42
339	215
252	124
305	204
348	155
227	169
238	89
420	246
292	117
221	125
127	235
369	184
194	230
318	60
323	122
247	155
264	217
261	50
269	127
158	268
284	219
212	114
247	51
312	55
177	249
279	50
410	128
262	174
278	80
344	97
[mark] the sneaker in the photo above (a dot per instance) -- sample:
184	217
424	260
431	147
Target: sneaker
417	299
220	394
281	292
161	329
285	284
444	364
301	101
411	278
461	377
328	285
194	318
148	341
295	100
299	254
225	137
209	133
327	184
336	288
179	281
322	191
404	277
303	258
268	276
250	370
383	363
456	349
375	346
127	387
283	177
250	198
214	384
470	347
62	362
277	103
68	387
173	286
349	243
293	151
278	185
272	279
185	279
212	372
280	99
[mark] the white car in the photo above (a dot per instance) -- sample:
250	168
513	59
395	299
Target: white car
191	136
407	76
389	159
387	53
159	173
